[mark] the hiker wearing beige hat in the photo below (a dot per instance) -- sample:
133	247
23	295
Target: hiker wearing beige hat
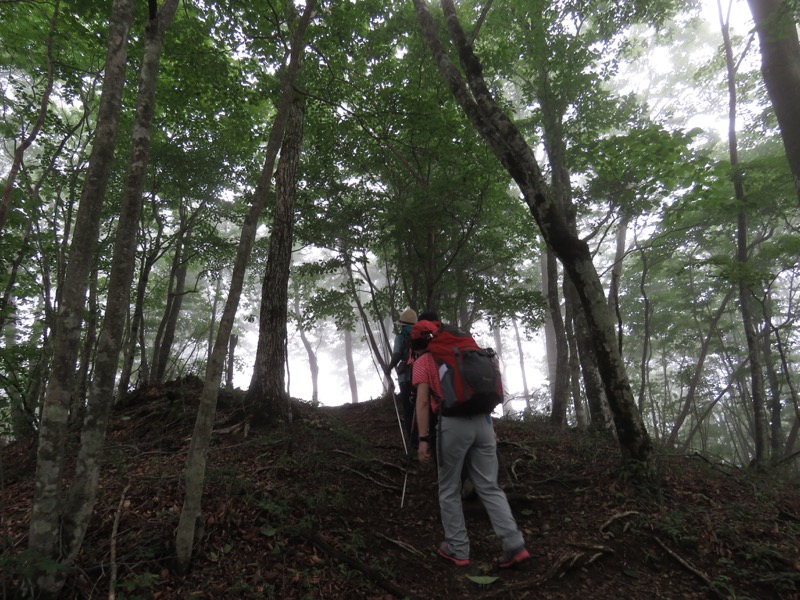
401	361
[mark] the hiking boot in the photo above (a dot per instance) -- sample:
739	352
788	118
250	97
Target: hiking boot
513	557
445	552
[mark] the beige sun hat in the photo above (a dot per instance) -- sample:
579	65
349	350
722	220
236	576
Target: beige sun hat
407	317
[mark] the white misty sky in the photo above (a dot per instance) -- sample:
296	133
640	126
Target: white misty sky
333	385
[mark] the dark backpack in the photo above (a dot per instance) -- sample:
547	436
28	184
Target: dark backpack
405	352
469	375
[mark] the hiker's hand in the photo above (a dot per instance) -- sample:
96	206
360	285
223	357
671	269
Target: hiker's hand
424	452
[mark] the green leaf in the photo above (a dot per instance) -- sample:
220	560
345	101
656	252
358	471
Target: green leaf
268	530
482	579
632	573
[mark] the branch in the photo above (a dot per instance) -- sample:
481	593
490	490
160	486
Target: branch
372	479
617	517
370	573
686	565
474	35
113	578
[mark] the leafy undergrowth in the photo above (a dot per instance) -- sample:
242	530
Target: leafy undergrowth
326	511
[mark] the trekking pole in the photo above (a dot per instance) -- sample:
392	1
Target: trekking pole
405	446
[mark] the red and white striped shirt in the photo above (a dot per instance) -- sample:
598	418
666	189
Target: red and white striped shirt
427	371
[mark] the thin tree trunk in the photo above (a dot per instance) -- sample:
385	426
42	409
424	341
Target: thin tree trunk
313	363
574	378
616	275
517	157
231	354
498	348
162	344
777	441
213	321
550	338
86	363
351	369
171	319
378	350
786	373
44	533
201	436
560	386
760	435
525	389
776	437
600	417
644	363
81	498
136	325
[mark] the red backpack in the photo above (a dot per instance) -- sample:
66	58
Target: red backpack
469	375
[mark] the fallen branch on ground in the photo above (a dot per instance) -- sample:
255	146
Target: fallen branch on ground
693	570
394	488
576	560
617	517
115	527
372	460
403	545
368	571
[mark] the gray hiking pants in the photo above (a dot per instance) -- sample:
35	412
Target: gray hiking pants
471	439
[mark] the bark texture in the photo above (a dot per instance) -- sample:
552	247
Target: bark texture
81	498
780	67
44	535
267	393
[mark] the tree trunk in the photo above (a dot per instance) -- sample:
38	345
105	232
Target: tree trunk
378	350
136	325
201	436
212	324
644	361
175	305
44	525
80	501
498	348
786	373
776	435
525	389
231	354
616	275
780	67
574	374
560	387
760	436
517	157
162	345
550	337
313	363
600	417
76	412
351	369
267	395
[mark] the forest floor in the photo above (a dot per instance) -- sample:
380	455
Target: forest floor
321	512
